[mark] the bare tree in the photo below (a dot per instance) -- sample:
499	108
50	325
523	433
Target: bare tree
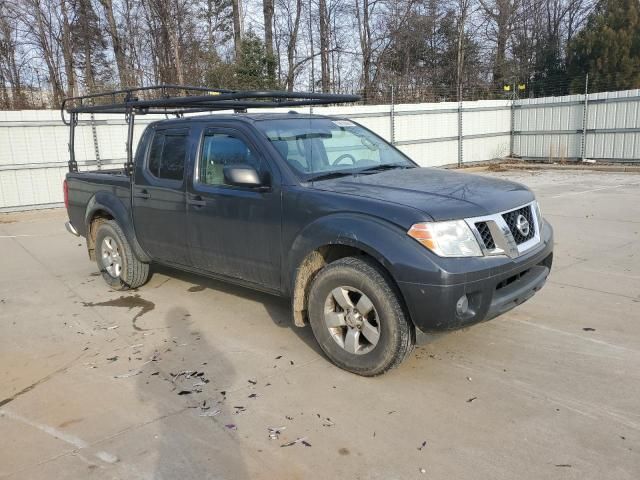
377	21
287	38
117	43
500	14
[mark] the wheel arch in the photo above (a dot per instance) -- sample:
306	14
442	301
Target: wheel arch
107	206
337	237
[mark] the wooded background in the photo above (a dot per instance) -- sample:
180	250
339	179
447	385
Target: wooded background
428	50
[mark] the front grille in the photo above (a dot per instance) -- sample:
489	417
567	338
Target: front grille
485	233
511	219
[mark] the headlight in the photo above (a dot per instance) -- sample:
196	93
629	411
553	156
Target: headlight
447	239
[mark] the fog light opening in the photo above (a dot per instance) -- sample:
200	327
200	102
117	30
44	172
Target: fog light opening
462	306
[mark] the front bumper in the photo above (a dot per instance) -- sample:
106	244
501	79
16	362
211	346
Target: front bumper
492	292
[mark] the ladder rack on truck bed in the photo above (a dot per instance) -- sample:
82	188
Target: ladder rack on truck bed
156	99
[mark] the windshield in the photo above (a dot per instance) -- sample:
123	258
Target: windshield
319	147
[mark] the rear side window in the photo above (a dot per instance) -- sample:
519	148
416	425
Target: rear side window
167	156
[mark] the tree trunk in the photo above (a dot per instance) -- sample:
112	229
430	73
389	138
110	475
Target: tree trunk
267	10
325	41
291	48
237	27
67	50
84	41
364	33
462	19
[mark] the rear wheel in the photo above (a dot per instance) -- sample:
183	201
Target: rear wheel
120	268
357	318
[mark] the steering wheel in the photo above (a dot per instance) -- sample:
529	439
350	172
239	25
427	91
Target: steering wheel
344	156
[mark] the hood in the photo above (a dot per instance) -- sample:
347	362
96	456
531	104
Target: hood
441	194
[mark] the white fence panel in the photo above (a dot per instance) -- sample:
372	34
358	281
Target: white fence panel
554	127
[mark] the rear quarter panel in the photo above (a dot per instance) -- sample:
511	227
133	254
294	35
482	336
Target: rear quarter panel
86	190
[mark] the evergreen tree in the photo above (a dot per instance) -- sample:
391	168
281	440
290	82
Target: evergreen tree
608	48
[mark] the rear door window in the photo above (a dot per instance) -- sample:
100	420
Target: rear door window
167	155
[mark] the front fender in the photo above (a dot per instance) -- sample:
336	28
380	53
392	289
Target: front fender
389	244
111	204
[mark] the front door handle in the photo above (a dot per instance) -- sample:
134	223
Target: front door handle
196	201
142	194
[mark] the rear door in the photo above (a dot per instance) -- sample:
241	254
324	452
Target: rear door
159	208
234	231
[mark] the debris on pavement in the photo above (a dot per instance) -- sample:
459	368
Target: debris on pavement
130	373
181	381
252	382
274	432
302	440
112	359
327	422
231	426
424	444
422	470
471	399
253	395
212	413
589	329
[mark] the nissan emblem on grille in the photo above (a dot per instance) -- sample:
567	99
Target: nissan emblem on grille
522	224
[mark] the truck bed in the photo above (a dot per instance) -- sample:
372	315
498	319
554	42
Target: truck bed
83	186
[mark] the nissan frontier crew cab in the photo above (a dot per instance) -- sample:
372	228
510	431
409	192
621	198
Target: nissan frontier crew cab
368	245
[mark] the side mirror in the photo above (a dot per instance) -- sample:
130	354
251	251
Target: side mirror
242	176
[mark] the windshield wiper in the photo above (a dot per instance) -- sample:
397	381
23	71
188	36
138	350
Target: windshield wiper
384	166
328	175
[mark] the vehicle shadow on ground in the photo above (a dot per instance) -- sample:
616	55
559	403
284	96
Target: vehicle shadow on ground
187	382
278	308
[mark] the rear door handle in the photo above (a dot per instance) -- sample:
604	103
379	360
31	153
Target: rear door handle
142	194
196	201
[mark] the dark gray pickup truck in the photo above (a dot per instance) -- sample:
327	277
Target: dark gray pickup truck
368	245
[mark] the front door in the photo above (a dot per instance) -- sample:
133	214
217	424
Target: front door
159	209
234	231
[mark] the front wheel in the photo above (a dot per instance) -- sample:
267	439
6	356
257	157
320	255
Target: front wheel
357	318
119	266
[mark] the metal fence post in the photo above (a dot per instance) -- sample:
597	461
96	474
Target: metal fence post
460	152
585	118
512	126
96	147
392	120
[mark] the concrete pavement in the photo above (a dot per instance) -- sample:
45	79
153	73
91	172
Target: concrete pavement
90	378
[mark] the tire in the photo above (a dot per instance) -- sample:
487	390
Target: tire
377	334
120	268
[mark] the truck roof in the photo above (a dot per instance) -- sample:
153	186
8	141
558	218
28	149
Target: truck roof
243	117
